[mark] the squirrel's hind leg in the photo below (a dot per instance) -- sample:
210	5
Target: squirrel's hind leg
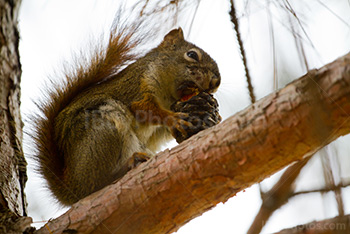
99	160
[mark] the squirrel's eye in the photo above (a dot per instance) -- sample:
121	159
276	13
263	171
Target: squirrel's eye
192	54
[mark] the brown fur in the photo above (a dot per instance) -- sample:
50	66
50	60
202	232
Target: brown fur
90	126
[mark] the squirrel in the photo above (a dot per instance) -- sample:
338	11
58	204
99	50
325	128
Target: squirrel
112	115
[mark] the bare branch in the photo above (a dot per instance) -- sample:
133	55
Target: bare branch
234	20
298	44
333	13
277	196
337	225
322	190
273	44
328	174
291	10
161	195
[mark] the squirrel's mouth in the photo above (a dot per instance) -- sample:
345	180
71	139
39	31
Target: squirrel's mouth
187	90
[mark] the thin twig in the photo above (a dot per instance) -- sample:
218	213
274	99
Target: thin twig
333	13
290	8
299	44
321	190
193	17
234	20
277	196
272	35
329	178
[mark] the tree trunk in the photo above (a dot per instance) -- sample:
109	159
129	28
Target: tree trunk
161	195
12	163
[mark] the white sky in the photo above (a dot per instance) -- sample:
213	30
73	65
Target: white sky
52	30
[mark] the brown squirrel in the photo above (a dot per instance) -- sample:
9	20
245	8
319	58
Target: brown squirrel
103	121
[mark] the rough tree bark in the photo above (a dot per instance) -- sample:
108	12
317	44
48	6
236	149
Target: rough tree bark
179	184
12	163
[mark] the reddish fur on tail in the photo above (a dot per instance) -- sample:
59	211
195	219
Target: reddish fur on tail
102	65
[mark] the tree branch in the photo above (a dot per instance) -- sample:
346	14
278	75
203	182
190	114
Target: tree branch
277	196
161	195
336	225
235	23
322	190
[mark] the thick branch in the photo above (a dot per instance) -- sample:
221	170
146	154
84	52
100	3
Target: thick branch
179	184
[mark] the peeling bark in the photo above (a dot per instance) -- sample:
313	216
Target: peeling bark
180	184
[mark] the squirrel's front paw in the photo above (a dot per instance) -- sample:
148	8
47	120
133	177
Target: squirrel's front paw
202	111
180	126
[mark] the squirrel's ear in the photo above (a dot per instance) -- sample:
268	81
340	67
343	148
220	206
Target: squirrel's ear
173	36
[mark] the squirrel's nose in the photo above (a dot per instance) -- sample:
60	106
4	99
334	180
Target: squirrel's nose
214	84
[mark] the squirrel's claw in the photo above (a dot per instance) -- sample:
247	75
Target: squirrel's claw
136	159
181	126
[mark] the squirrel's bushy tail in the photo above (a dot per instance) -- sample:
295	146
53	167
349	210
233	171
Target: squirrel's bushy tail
86	72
